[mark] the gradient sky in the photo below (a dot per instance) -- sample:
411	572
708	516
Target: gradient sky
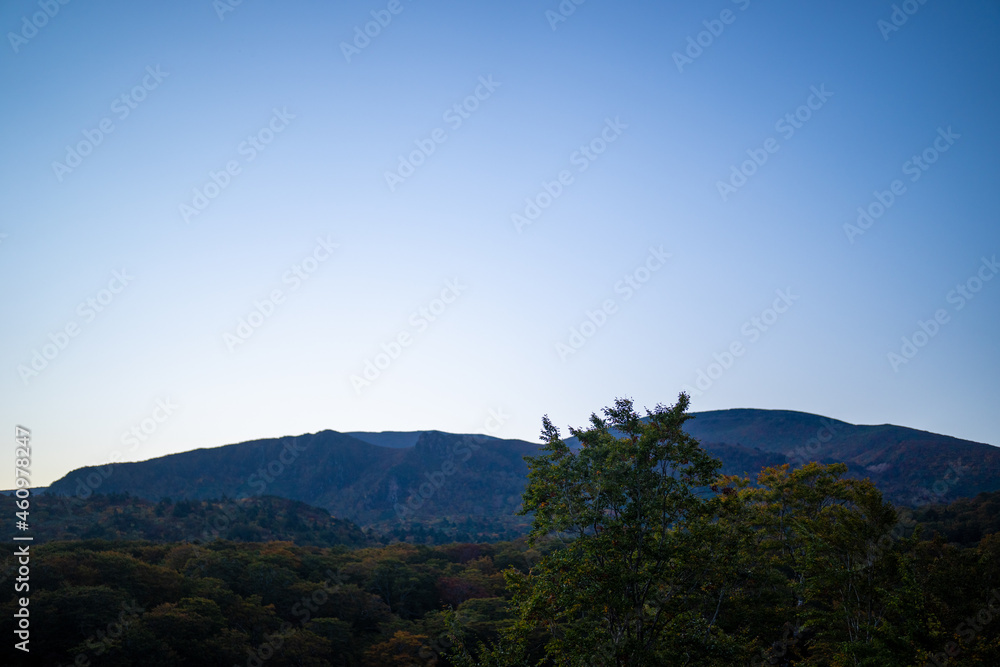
680	127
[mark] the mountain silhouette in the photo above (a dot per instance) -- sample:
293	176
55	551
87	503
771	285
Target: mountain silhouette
383	479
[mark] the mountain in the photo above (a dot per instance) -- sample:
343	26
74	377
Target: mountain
911	467
393	439
473	482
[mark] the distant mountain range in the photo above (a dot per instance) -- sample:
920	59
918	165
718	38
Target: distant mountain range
392	479
911	467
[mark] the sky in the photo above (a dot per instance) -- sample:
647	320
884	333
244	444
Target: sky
227	221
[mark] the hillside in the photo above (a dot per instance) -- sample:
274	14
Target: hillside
443	478
382	481
121	517
911	467
965	521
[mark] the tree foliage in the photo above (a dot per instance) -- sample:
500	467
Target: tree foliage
627	586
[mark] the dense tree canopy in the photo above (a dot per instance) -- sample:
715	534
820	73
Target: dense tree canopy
651	559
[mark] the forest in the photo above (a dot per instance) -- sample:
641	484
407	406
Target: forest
640	553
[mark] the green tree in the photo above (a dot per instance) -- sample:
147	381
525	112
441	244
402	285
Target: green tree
634	508
833	584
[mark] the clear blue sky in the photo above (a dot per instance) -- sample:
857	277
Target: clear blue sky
625	132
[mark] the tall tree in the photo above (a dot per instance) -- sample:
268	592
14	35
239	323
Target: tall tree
634	509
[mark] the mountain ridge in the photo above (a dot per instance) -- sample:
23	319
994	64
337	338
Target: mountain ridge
378	479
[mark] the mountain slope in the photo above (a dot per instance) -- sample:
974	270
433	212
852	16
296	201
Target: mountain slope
443	476
908	465
393	439
120	517
377	479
